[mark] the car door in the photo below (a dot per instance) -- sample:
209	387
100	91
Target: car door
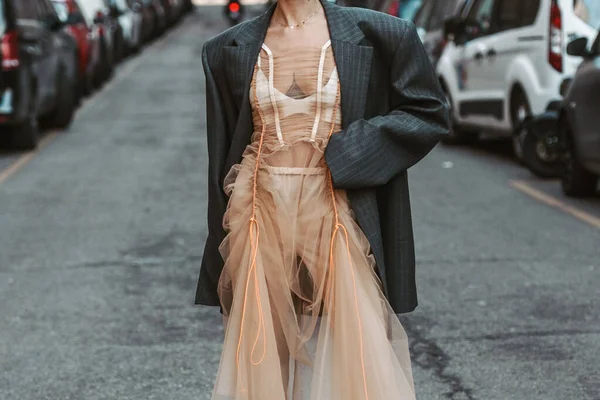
516	40
53	47
477	105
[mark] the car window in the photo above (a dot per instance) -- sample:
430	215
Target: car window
509	14
481	14
588	11
61	10
513	14
531	9
25	9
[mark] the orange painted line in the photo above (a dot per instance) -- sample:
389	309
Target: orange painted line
25	158
552	201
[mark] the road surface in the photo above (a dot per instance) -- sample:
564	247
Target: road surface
102	233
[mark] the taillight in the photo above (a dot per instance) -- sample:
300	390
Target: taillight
234	7
555	40
10	51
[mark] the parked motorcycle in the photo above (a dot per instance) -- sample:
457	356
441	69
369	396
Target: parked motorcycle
234	11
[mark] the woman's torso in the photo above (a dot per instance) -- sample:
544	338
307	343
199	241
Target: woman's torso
295	99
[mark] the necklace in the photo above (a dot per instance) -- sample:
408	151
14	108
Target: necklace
301	23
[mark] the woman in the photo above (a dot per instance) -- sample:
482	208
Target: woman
312	107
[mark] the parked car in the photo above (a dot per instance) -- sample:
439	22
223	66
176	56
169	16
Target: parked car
130	20
39	69
95	13
99	13
88	44
159	17
506	62
147	15
579	124
172	10
429	21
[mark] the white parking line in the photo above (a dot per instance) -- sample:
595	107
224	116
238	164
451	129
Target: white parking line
25	158
552	201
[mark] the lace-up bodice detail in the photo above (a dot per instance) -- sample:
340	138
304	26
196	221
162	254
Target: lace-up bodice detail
296	89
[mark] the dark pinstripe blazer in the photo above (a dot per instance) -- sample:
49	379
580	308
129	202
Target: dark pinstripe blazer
393	114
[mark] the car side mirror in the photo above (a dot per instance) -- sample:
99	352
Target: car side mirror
578	47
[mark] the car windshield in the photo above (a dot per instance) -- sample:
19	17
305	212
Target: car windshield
588	11
409	8
62	10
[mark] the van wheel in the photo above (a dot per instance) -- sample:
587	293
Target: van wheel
66	104
538	158
25	135
456	135
520	111
576	181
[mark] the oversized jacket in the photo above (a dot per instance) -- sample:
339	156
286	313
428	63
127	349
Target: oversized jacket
393	113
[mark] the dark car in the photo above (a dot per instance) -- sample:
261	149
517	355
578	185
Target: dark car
159	15
148	20
130	19
39	70
579	123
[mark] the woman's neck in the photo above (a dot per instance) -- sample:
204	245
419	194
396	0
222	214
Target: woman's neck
294	12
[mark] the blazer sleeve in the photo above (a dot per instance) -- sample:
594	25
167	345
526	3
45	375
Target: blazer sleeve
218	146
370	152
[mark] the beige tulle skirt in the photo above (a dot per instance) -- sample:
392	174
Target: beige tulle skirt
305	315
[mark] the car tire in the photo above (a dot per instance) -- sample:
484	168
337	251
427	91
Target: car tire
66	103
575	180
25	135
456	135
520	111
533	158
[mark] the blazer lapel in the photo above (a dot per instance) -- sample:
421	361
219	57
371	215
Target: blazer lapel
353	61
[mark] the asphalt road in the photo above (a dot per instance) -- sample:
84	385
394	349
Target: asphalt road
102	232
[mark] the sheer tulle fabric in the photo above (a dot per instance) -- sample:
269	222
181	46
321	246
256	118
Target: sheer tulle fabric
306	318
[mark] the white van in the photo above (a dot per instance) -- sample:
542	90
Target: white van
507	60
